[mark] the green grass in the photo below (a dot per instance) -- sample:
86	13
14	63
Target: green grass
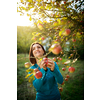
73	89
24	91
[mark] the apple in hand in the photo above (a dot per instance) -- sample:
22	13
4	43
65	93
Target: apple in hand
38	74
56	48
71	69
63	69
27	64
46	61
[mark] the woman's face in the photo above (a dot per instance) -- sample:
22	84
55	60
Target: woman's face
37	50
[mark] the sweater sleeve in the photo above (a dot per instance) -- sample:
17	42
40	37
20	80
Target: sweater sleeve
37	83
56	73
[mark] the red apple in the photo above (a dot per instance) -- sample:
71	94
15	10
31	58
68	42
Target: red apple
42	38
56	48
56	33
74	40
63	83
63	69
60	59
67	76
46	61
40	26
34	38
57	39
66	79
67	32
54	59
73	34
53	2
35	70
38	75
71	69
55	23
68	21
27	64
71	54
60	89
64	2
81	33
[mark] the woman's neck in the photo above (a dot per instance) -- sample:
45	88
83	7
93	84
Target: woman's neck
38	61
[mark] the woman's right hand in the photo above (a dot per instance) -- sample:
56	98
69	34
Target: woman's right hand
42	65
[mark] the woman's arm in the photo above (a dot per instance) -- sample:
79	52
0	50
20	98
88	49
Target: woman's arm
55	71
57	74
37	83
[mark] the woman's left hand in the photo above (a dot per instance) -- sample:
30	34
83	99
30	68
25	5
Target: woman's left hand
51	64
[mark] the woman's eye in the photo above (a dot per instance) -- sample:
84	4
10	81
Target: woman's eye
39	47
36	47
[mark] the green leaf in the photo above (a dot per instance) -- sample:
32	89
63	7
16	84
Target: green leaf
60	32
30	0
30	18
58	20
29	70
27	75
41	7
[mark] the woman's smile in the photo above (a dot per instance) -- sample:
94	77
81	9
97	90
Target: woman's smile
38	52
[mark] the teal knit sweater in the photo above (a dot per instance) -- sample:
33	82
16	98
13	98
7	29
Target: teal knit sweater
46	87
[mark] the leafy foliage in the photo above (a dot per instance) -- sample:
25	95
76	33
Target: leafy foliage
62	15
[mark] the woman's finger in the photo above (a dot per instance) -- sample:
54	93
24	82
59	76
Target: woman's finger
50	61
42	62
50	64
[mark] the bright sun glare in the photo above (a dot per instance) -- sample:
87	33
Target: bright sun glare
23	20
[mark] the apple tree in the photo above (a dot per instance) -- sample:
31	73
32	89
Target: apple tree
61	23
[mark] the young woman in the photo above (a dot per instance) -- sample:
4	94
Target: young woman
46	87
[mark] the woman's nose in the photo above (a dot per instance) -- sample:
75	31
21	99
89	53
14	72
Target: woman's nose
36	48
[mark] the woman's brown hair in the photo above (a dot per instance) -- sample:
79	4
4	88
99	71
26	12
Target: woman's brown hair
33	60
